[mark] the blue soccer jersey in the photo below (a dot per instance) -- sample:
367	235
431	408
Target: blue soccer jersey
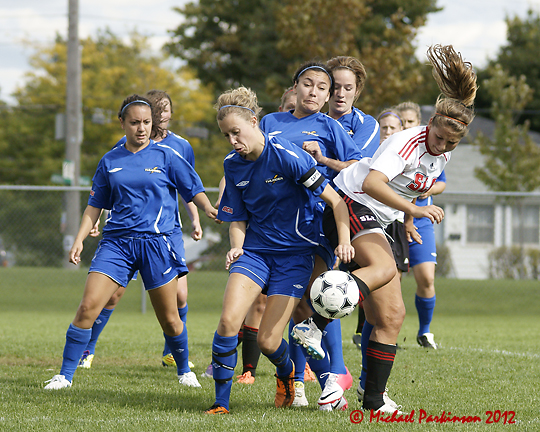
334	141
425	202
272	195
140	189
363	129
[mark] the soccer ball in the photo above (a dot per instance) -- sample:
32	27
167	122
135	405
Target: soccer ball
334	294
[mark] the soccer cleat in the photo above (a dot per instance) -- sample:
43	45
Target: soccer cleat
246	378
427	340
309	375
300	399
332	390
168	360
388	409
357	340
209	372
190	365
345	381
285	390
340	405
217	409
57	382
188	379
309	336
86	360
386	398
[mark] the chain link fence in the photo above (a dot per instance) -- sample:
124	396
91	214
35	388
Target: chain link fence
32	228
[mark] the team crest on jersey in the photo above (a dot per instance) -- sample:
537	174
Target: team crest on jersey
227	209
243	183
273	179
154	170
313	133
350	132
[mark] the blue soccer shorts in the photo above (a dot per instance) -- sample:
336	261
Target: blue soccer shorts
286	275
425	252
156	257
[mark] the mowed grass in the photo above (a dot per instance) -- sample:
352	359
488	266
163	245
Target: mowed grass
489	360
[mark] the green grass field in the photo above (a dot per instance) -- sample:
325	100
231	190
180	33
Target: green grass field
489	333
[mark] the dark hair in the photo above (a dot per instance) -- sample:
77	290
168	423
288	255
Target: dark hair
156	111
156	96
317	66
457	82
352	64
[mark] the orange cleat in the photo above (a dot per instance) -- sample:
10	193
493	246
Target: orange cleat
246	378
309	375
285	390
217	409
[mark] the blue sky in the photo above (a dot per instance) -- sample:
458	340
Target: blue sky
476	28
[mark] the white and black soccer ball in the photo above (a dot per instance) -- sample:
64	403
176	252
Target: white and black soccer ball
334	294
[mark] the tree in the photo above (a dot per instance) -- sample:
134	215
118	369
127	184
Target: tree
512	158
111	70
260	44
519	58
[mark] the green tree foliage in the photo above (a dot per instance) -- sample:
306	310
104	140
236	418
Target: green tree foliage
260	44
111	70
512	158
519	57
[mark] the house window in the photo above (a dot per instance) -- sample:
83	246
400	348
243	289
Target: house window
525	224
480	223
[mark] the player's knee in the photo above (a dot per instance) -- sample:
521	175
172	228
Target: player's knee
172	326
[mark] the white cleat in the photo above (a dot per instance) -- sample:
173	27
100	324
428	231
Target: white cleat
427	340
309	336
388	409
386	398
332	391
340	405
57	382
300	399
189	379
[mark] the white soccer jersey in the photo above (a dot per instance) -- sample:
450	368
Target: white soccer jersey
407	162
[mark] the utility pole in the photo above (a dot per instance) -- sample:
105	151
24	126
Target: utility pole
71	168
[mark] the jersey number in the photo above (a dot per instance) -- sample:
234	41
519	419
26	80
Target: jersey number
419	184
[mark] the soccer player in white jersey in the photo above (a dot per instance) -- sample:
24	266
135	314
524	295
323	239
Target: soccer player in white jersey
334	149
405	166
138	183
270	199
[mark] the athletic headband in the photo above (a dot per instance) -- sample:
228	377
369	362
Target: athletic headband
238	106
387	113
316	67
452	118
131	103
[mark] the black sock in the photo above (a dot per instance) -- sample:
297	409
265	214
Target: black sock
250	350
361	318
362	287
380	359
320	321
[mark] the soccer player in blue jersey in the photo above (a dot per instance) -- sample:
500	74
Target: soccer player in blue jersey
163	103
376	190
270	198
423	254
138	183
333	149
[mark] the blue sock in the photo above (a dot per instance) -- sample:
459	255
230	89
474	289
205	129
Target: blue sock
282	360
182	312
333	345
99	324
224	358
425	307
320	368
297	356
179	350
76	342
366	333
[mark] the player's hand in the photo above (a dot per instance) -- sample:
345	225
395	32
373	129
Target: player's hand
312	147
197	232
232	256
432	212
94	232
212	213
75	252
345	252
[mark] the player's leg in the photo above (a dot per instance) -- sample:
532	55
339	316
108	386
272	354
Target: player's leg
182	293
98	290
